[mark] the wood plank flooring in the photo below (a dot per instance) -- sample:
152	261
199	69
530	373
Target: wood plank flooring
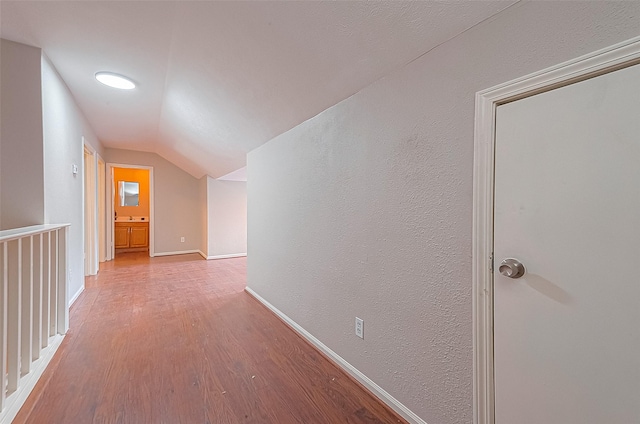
177	340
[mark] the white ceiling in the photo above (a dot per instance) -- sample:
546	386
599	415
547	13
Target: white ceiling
218	79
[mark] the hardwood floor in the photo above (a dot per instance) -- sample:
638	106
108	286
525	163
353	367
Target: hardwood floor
177	340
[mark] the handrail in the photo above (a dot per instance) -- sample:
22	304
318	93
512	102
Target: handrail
16	233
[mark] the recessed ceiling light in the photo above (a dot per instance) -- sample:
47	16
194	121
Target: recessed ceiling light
115	80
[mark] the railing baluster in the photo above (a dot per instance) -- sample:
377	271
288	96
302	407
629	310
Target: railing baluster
4	284
63	281
14	314
26	325
37	296
53	308
46	287
34	312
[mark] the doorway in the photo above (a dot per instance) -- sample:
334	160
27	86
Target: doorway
130	190
555	215
90	211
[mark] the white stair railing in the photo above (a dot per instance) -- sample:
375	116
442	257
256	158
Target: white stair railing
34	310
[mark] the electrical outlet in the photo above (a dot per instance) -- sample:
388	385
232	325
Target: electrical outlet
181	239
359	328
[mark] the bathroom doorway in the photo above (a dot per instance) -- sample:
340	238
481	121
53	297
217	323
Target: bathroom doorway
130	213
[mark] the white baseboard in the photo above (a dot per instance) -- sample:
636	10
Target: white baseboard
378	391
178	252
75	296
231	255
26	384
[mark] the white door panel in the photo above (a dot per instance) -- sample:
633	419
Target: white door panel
567	205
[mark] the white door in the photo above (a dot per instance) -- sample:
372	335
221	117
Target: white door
567	206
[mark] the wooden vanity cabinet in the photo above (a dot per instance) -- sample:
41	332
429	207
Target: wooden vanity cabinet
139	235
131	235
121	235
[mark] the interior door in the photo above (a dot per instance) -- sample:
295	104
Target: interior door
567	206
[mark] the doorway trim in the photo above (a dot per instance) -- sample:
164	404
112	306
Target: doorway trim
102	214
110	207
89	209
618	56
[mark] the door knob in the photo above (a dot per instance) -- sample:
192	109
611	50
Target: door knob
511	268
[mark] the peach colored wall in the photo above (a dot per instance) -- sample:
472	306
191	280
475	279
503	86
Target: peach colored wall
141	176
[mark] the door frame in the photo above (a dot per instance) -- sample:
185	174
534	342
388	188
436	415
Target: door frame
102	214
89	209
618	56
110	208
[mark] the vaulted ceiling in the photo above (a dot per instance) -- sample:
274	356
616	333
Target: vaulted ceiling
218	79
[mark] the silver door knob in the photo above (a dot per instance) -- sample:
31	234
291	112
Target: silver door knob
511	268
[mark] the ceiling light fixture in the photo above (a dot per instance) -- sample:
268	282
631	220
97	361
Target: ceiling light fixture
115	80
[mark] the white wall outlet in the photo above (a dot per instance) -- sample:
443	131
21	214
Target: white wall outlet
359	328
181	239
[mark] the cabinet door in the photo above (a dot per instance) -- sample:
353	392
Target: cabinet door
121	237
139	237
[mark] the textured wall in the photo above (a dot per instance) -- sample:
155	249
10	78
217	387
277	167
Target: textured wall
176	200
227	224
41	138
21	154
365	210
204	214
64	125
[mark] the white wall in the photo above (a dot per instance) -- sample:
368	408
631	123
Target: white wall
223	217
21	154
365	210
42	131
227	217
177	204
64	125
204	215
